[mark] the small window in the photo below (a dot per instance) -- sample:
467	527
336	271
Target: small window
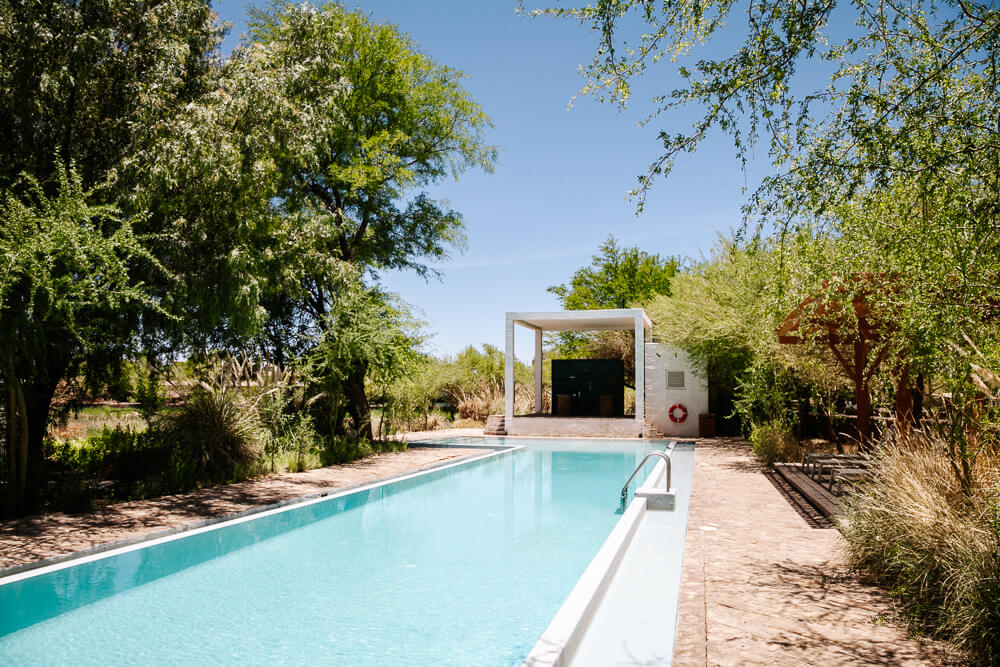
675	379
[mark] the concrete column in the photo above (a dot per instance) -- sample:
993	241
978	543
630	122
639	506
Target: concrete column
508	375
640	373
538	371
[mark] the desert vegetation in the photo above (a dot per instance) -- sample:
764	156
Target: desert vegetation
201	236
857	305
163	204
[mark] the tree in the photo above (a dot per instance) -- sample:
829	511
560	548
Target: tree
366	329
616	278
65	288
910	89
86	81
81	87
883	135
371	122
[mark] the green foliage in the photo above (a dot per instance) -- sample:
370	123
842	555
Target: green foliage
87	82
65	277
723	312
65	291
470	385
764	394
366	334
150	394
774	441
246	202
409	401
343	123
617	278
135	464
344	449
294	434
910	89
216	430
83	87
386	120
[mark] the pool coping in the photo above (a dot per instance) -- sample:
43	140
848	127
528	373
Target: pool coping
25	570
558	644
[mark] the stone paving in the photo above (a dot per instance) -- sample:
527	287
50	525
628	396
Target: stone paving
55	534
761	586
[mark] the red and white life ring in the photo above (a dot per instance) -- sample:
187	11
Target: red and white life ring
673	417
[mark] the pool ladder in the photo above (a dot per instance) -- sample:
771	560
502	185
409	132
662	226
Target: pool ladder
656	499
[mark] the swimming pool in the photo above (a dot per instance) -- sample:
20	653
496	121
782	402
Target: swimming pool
461	565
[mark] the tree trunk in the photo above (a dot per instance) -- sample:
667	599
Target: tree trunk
918	400
862	396
357	402
904	404
38	403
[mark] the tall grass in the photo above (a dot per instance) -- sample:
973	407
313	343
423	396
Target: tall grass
935	544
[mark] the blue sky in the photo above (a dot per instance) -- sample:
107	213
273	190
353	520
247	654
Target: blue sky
560	182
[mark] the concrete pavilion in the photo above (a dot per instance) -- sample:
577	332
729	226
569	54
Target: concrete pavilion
580	320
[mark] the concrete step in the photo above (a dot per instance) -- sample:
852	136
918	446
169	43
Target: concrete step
495	425
651	432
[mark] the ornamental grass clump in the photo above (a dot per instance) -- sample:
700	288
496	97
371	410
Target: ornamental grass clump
217	430
933	544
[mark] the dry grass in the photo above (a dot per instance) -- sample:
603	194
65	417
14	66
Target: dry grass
480	404
97	418
936	548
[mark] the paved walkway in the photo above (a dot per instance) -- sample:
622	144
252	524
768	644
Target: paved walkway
762	587
55	534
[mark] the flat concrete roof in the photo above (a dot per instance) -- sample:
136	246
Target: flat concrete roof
581	320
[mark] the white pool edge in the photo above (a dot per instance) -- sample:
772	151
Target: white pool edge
558	644
70	560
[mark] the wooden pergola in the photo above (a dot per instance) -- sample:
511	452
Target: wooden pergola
856	336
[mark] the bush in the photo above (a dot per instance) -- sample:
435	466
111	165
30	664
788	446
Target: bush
216	432
292	434
934	546
774	441
346	449
150	394
138	464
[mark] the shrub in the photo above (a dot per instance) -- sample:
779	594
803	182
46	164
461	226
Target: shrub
215	431
346	449
150	394
292	434
774	441
139	463
934	545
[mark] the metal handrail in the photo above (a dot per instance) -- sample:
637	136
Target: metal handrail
663	455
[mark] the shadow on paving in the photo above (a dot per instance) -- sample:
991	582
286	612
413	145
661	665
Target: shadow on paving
760	586
792	587
812	516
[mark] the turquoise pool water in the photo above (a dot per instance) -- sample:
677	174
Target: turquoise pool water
465	565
